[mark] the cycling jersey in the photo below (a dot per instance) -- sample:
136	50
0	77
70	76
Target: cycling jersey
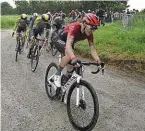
74	30
32	19
21	24
58	22
39	26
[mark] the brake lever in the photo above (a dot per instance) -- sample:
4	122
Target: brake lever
101	67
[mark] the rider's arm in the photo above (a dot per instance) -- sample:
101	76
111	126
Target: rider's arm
17	23
93	49
94	53
69	50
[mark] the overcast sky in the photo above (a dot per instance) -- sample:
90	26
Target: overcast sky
137	4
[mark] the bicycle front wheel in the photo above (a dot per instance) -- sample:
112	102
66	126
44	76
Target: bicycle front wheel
84	116
49	86
34	58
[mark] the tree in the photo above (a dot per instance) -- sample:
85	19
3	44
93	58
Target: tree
22	7
6	9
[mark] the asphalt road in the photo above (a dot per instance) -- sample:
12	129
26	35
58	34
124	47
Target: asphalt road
26	107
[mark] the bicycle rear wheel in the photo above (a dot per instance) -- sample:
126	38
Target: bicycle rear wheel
84	117
34	58
53	49
17	50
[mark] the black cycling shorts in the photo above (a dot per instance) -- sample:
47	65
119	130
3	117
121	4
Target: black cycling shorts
37	31
21	29
60	40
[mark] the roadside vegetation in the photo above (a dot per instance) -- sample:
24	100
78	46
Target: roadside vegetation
8	21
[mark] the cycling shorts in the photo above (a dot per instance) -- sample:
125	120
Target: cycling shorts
59	40
21	29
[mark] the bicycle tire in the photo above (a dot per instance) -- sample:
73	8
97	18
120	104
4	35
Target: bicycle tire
93	122
46	82
33	56
17	50
53	50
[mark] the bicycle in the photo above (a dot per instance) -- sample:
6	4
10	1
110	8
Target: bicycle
35	53
28	36
65	93
19	45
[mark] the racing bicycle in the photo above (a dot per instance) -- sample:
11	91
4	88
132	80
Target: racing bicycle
19	45
79	95
35	53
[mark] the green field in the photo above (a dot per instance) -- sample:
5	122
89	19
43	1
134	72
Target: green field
115	44
8	22
111	42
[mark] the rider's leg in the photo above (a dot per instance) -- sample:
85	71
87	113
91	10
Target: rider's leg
35	33
17	35
60	45
23	38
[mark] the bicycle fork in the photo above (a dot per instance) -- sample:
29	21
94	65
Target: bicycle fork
78	91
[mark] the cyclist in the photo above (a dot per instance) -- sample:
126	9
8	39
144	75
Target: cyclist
21	26
73	16
32	19
57	24
55	15
79	16
38	29
50	15
89	11
71	34
83	13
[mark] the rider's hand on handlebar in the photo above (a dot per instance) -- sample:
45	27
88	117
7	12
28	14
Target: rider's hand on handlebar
74	61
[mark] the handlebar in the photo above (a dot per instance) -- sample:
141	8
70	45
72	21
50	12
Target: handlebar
100	66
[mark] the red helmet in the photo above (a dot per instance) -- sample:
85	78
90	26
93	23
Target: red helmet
91	19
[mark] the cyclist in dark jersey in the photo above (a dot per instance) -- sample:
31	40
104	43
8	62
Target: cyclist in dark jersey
71	34
38	29
32	19
21	26
73	16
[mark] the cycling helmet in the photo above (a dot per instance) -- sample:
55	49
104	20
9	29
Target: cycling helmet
93	12
48	13
45	17
89	11
23	16
35	14
91	19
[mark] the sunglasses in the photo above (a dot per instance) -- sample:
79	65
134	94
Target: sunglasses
93	28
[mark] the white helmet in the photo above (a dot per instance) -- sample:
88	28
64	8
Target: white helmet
48	13
35	14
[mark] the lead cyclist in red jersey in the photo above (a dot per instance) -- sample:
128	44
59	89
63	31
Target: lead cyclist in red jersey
71	34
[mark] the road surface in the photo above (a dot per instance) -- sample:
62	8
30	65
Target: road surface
26	107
